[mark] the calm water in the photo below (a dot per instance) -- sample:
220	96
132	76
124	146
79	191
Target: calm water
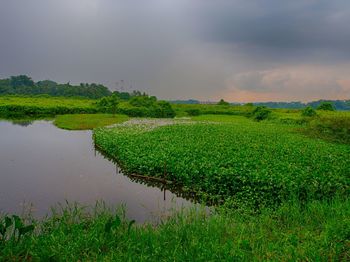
43	165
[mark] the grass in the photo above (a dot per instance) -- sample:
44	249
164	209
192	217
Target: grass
21	106
259	163
318	231
87	121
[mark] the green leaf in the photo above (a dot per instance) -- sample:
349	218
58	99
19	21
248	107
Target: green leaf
8	222
26	229
18	222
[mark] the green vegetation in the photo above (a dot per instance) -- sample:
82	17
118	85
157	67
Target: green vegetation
87	121
330	126
24	85
222	102
281	185
317	231
256	163
137	106
261	113
206	109
326	106
16	106
308	112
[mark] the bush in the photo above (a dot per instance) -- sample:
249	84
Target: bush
193	112
327	106
222	102
261	113
308	111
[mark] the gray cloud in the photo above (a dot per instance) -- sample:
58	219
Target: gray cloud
181	49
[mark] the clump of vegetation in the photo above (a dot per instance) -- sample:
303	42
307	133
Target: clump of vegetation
261	113
335	128
327	106
259	164
222	102
193	112
315	231
211	109
308	112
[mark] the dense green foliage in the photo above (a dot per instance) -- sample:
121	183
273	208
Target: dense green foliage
308	111
87	121
205	109
326	106
257	163
24	85
317	231
330	126
338	104
261	113
144	106
222	102
17	106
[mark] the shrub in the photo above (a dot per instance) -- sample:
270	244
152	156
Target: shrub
261	113
193	112
308	111
222	102
326	106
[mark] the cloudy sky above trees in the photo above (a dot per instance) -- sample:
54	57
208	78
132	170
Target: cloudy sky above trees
239	50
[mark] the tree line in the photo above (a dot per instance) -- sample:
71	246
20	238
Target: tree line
24	85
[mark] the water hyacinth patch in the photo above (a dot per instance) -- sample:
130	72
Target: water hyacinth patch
242	160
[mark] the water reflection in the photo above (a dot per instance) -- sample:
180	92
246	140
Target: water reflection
44	165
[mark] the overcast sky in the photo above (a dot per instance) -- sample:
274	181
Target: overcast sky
239	50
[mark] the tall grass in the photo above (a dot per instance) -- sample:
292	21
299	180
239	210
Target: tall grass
319	231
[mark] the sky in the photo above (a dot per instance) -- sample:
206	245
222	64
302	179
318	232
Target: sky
238	50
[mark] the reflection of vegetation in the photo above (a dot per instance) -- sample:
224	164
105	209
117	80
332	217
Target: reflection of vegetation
160	183
22	122
87	121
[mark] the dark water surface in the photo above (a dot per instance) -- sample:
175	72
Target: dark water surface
44	165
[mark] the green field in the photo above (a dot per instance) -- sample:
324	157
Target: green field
87	121
20	106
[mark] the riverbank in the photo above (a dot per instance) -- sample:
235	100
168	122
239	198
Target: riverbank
317	231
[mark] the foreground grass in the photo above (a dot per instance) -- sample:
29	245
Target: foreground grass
87	121
318	231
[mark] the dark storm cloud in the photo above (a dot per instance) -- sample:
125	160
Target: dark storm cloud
277	24
181	48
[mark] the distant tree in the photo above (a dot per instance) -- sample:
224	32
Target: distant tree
21	80
261	113
327	106
308	111
109	104
249	104
222	102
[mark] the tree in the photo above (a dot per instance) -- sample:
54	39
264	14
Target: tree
327	106
308	111
222	102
